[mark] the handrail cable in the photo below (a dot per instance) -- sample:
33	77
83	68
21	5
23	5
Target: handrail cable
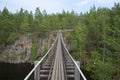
73	60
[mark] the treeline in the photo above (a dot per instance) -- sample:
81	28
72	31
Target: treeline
96	42
23	22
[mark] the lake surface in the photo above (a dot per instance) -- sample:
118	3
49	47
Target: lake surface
10	71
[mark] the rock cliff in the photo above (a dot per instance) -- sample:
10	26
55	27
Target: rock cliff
20	50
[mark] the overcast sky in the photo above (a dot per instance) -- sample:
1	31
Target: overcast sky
54	6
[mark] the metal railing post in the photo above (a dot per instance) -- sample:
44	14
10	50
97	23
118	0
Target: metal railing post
37	71
77	75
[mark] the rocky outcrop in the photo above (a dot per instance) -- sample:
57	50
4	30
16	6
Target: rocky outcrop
20	51
45	41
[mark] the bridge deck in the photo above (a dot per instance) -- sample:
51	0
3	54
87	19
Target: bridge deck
57	64
58	72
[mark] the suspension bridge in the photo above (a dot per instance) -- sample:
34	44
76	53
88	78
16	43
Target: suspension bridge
56	64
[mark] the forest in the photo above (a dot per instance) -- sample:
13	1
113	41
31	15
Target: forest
95	40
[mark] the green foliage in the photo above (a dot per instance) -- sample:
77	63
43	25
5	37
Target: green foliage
96	42
103	71
25	26
45	49
100	70
12	38
34	52
95	59
5	26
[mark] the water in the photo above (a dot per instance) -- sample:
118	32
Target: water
10	71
